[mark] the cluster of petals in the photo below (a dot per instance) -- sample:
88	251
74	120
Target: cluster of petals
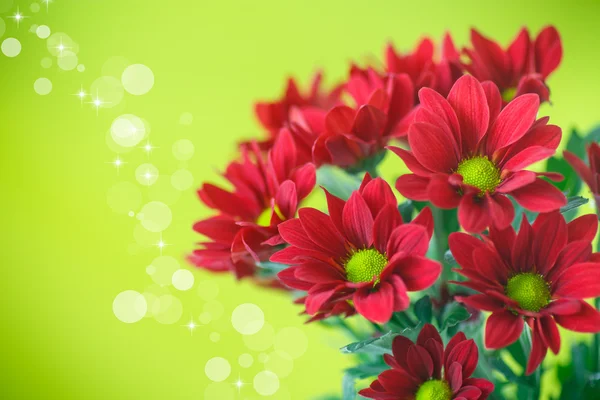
266	192
589	174
415	366
321	247
552	269
472	126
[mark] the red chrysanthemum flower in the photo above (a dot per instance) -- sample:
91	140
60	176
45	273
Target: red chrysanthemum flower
539	276
590	175
383	106
359	258
275	115
522	68
422	67
266	192
467	152
425	371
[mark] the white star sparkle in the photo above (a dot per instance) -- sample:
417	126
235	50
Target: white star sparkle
18	17
161	244
47	3
81	94
97	102
148	148
191	326
118	163
238	384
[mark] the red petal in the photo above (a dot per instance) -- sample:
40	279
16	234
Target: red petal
432	147
408	239
386	221
369	123
466	354
399	383
473	213
428	332
501	210
425	218
513	122
481	302
418	273
320	230
549	241
587	319
583	228
548	51
318	272
467	97
439	106
516	180
580	281
538	352
573	253
287	199
441	193
400	347
358	221
519	50
413	187
411	162
549	332
377	193
339	120
522	256
579	166
502	328
527	157
454	376
462	247
335	206
420	362
376	306
540	196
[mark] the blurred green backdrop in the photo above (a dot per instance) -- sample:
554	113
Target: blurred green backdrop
67	253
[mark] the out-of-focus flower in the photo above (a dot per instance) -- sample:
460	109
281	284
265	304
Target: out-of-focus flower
590	175
276	114
425	371
266	192
422	67
539	276
383	110
468	152
359	258
522	68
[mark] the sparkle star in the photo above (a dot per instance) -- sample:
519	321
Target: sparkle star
81	94
47	3
148	148
97	102
161	244
238	384
118	163
191	326
18	17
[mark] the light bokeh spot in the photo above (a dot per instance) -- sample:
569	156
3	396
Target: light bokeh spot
111	93
155	216
214	337
220	391
183	149
68	61
247	319
205	318
34	7
214	308
280	363
245	360
146	174
11	47
127	130
124	197
186	118
217	369
137	79
129	306
183	279
81	68
43	31
291	341
261	340
182	179
162	269
167	309
266	383
42	86
60	42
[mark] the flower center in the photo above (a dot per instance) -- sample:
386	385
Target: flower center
364	265
434	390
479	172
530	290
509	94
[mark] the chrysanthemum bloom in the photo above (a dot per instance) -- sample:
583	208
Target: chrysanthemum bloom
539	276
590	175
275	115
425	371
422	66
467	152
266	192
522	68
359	258
352	135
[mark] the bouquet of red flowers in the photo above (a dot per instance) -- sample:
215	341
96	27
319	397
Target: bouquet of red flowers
466	281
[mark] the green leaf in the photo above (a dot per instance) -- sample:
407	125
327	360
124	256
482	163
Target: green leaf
593	136
367	370
271	266
572	183
377	345
368	165
348	387
337	181
449	258
406	210
504	369
573	203
453	314
424	310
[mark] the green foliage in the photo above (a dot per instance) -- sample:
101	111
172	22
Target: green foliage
337	181
453	314
572	183
368	165
377	345
424	309
348	387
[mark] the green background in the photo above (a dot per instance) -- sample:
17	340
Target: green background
66	255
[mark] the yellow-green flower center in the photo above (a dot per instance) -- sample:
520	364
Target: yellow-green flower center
434	390
530	290
479	172
509	94
365	264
